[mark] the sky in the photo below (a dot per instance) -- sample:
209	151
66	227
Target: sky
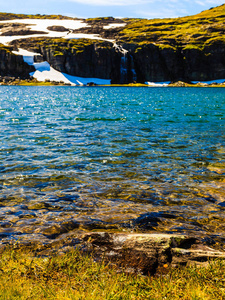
105	8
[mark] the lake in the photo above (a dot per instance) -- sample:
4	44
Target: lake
111	158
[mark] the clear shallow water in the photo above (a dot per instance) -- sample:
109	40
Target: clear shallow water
111	158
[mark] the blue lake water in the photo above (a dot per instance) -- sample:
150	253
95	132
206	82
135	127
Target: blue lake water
122	158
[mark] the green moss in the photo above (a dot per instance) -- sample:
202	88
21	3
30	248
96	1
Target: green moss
165	46
7	49
215	40
191	47
198	31
58	53
58	46
100	19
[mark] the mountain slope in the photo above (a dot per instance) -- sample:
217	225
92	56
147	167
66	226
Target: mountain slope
196	30
189	48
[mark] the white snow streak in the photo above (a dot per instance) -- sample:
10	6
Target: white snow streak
211	81
43	24
43	70
157	84
114	25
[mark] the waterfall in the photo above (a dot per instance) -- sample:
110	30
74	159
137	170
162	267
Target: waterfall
127	69
124	68
133	71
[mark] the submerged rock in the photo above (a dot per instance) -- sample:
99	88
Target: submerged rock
149	221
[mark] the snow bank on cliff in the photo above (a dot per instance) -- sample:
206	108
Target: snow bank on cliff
45	72
43	24
211	81
114	25
157	84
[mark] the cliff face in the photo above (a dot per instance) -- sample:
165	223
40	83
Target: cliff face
181	49
93	61
81	57
154	63
128	62
13	65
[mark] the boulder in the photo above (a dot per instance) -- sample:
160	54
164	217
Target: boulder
149	253
57	28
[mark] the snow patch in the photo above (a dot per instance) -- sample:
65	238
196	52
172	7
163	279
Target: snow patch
120	48
211	81
158	84
114	25
43	24
28	56
45	72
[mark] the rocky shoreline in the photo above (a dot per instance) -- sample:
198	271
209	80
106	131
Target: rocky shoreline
140	253
17	81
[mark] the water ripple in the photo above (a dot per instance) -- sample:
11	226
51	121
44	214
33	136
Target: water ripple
111	158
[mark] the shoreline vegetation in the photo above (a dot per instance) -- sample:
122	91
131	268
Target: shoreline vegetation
32	271
75	271
73	275
10	81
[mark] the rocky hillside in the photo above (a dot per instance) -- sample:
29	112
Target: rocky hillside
187	49
80	57
13	65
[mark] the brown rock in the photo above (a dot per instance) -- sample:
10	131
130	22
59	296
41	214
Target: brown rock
57	28
149	253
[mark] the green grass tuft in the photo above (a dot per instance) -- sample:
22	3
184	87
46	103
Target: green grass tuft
74	276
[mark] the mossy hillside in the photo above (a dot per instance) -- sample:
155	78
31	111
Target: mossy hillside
7	49
59	46
199	30
11	16
102	20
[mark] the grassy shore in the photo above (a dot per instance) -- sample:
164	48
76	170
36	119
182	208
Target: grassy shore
74	276
44	83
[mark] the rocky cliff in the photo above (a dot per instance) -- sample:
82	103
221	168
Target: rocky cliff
82	57
182	49
149	62
157	63
94	60
13	65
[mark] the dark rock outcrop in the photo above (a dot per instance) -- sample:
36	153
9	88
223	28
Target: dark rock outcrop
57	28
134	63
110	33
13	65
154	63
17	29
148	253
94	61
